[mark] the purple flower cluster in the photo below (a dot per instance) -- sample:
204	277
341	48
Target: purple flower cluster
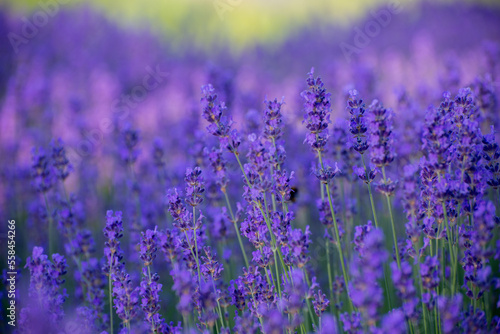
317	108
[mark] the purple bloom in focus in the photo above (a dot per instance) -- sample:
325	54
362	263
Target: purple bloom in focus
320	303
148	246
211	269
357	125
125	296
273	119
112	251
381	139
194	186
220	126
317	109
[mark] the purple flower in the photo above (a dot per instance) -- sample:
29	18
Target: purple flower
491	155
474	321
326	174
368	176
275	322
393	322
148	246
262	257
298	245
41	175
282	187
130	140
317	109
364	289
185	287
237	293
211	269
211	111
125	297
46	277
437	135
150	300
273	119
60	162
449	311
429	273
149	287
112	251
320	303
194	186
381	138
403	282
328	325
351	323
169	245
246	324
182	218
357	126
220	126
218	166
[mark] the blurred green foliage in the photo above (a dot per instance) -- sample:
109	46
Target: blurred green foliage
212	23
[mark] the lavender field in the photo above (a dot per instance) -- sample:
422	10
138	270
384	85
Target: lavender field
345	179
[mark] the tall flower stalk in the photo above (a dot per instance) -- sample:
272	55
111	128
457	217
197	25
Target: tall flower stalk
358	129
382	154
317	109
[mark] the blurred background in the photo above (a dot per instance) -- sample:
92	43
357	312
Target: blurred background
84	71
235	23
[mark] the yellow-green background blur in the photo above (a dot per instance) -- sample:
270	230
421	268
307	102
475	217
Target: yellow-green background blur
238	23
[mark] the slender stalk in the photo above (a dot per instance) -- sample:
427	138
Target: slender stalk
311	313
235	223
111	331
51	223
194	254
218	304
277	274
421	296
266	219
450	238
149	283
389	205
337	235
370	192
330	281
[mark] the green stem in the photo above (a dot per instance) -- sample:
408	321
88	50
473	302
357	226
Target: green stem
421	296
450	238
278	280
389	205
235	223
337	236
310	309
49	217
370	192
111	331
218	305
149	283
330	281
